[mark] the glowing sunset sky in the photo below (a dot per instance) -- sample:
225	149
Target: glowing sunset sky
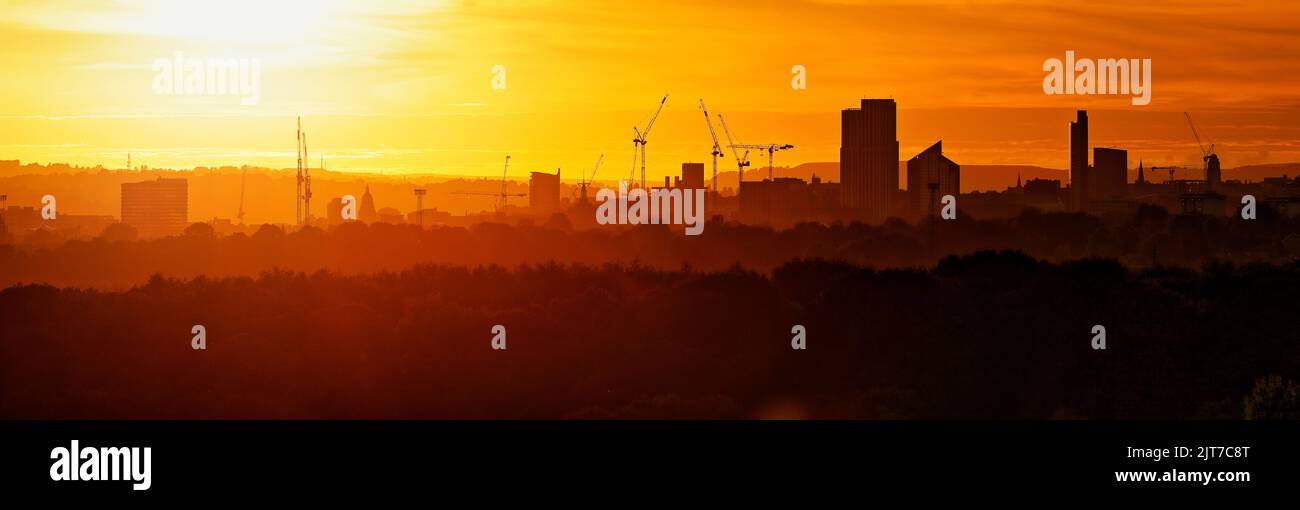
405	86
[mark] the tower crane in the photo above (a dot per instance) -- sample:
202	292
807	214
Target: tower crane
501	197
717	149
297	194
1208	157
504	170
1205	153
584	183
243	180
306	187
771	148
638	143
741	162
1171	170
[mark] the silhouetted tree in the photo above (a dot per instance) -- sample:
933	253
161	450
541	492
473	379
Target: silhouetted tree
199	229
1272	399
118	231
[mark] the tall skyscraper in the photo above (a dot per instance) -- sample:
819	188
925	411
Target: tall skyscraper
1079	162
544	192
1213	174
156	208
869	157
692	176
1109	179
930	176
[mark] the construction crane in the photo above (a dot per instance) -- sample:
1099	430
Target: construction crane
297	193
771	149
584	183
1208	157
243	181
501	197
741	162
504	170
717	149
306	188
1171	170
638	143
1205	153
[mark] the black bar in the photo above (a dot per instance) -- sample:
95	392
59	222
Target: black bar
322	458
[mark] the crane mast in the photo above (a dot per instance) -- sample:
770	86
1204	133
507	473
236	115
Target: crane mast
741	162
717	149
503	195
638	143
584	183
504	170
297	194
306	189
243	181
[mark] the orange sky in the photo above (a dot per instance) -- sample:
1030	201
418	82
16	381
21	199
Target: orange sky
405	86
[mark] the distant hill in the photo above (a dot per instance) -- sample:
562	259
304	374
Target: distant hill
1001	177
973	177
1254	173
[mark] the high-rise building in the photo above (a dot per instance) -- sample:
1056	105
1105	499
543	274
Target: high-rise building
1079	162
692	176
156	208
544	192
1109	178
869	157
930	176
1213	175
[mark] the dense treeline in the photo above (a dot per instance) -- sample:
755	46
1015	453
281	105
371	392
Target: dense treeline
1149	237
989	335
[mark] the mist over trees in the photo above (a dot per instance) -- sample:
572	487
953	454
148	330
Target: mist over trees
986	335
1149	237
